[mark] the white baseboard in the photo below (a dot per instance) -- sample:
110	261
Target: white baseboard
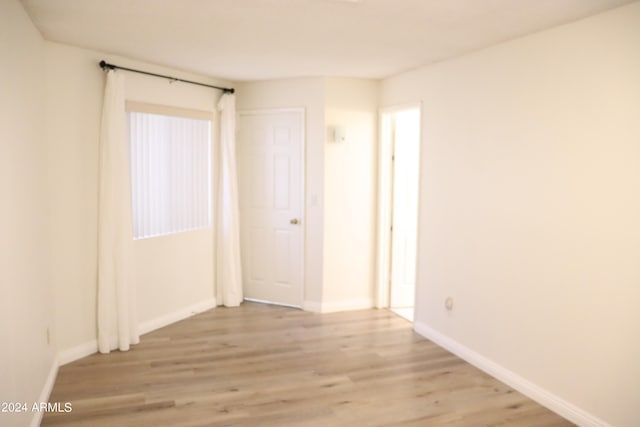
529	389
91	347
176	316
312	306
78	352
336	306
46	392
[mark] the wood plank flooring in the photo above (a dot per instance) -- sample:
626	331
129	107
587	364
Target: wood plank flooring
261	365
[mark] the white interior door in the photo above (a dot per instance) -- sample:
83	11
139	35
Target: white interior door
270	184
404	220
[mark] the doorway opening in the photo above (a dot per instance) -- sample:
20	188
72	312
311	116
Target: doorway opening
398	209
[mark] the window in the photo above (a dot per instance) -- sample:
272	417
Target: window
170	170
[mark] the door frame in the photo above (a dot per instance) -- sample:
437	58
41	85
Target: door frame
385	192
303	186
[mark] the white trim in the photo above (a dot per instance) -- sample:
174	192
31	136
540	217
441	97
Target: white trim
46	392
347	305
383	261
303	204
91	347
312	306
336	306
78	352
176	316
524	386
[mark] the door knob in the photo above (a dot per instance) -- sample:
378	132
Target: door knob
294	221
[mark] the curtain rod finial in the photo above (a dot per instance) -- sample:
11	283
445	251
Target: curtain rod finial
106	66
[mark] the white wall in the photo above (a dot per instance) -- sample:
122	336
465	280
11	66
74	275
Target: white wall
307	93
530	208
27	360
174	273
350	194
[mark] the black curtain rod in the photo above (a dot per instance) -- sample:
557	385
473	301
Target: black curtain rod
106	66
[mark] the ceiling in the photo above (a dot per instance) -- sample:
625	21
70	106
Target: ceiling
242	40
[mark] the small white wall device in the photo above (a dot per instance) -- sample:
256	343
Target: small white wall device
339	134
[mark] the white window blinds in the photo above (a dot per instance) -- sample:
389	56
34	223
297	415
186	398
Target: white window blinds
170	173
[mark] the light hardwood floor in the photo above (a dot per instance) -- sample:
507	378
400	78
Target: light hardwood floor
261	365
